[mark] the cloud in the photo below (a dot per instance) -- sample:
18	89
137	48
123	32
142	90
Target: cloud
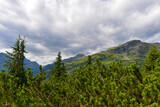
155	38
76	26
2	27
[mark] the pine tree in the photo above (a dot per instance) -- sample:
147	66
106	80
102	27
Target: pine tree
15	62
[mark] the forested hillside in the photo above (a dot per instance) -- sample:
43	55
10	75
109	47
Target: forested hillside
127	52
93	84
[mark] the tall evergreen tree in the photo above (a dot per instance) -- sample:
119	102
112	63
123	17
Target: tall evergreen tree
89	60
15	62
59	68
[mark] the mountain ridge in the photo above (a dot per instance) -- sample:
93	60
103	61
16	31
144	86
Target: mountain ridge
50	66
32	64
127	52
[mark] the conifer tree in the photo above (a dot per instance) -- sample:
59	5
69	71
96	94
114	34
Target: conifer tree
15	62
89	60
152	57
59	68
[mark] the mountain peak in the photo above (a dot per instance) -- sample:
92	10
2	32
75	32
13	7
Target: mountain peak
2	54
134	41
131	47
79	55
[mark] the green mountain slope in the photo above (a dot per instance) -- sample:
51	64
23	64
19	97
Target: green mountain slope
49	67
127	52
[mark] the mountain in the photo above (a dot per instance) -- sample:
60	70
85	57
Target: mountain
2	59
133	50
50	66
72	58
127	52
33	65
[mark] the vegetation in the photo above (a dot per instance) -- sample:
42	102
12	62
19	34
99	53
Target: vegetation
27	63
128	53
93	84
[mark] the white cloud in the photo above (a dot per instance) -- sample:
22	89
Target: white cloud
76	26
155	38
148	18
2	27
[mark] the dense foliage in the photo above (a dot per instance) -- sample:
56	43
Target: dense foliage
93	84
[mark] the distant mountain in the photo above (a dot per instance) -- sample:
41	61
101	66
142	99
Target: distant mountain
50	66
2	59
127	52
132	50
33	65
72	58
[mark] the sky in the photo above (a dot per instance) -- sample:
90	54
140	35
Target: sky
76	26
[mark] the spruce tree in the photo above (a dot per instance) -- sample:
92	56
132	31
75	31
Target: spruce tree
59	68
15	62
89	60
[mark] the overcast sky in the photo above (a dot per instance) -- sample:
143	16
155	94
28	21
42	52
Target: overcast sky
76	26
